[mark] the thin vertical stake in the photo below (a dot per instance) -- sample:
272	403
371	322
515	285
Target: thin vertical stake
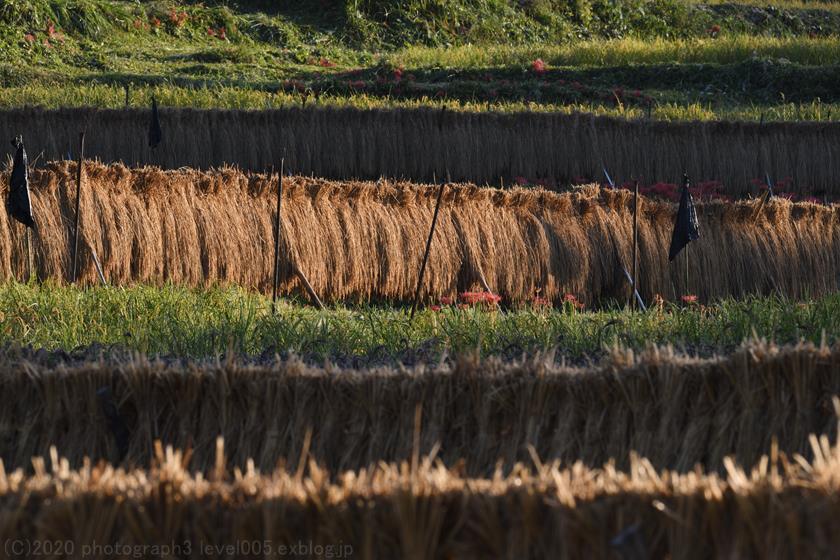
635	243
28	254
428	247
277	238
78	202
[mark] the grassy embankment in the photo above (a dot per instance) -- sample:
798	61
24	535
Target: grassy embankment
201	323
676	60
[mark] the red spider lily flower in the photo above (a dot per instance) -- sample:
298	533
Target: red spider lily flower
138	24
47	43
177	18
446	300
50	29
398	74
435	308
211	31
222	34
713	30
539	301
29	38
573	301
463	306
472	298
326	63
155	22
689	299
538	66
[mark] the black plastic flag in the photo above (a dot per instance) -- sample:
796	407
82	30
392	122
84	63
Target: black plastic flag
155	134
686	227
18	203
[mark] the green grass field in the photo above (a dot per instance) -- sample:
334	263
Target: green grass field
201	323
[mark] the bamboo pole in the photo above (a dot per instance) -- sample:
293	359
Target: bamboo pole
98	267
428	248
308	287
78	202
28	242
276	279
635	243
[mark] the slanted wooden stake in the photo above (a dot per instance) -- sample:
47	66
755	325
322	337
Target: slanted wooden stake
98	267
428	247
305	281
78	202
635	243
277	239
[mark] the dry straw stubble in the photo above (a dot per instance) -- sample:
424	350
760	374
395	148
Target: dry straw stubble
784	507
676	411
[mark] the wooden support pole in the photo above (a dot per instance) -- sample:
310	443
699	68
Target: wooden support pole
305	281
635	243
28	241
98	267
428	247
78	203
276	279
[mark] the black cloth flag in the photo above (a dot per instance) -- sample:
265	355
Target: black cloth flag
686	227
155	133
18	204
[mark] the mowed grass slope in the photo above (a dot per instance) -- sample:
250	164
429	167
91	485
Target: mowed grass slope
664	58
